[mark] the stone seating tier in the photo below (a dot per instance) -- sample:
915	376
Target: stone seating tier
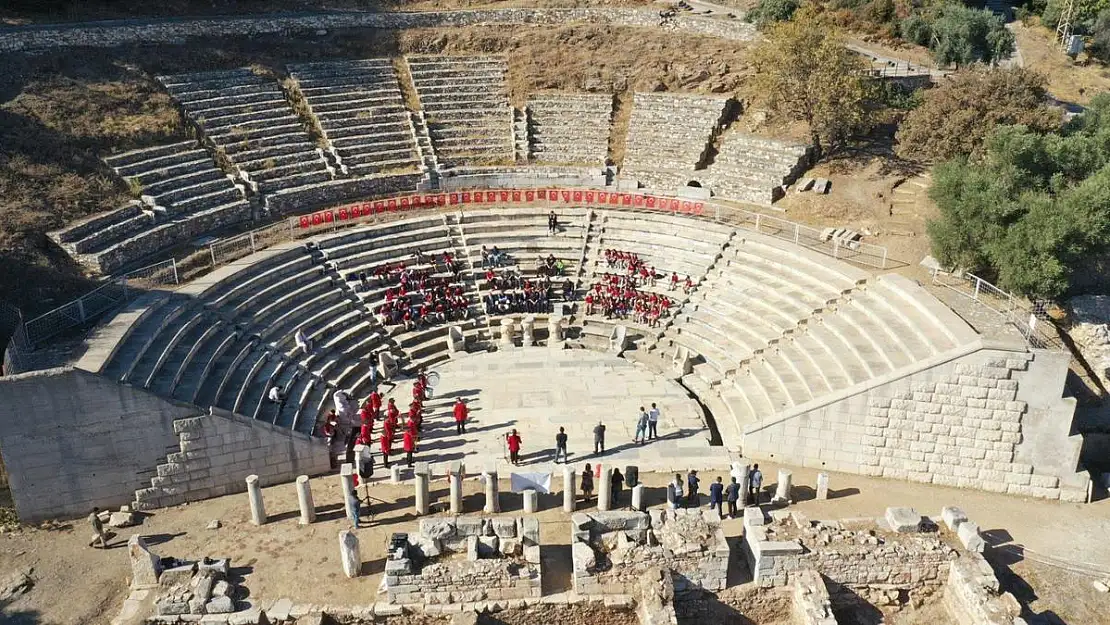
247	136
355	132
145	154
81	229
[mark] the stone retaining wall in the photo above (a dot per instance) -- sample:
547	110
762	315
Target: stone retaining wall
972	595
612	550
122	32
811	600
218	451
471	560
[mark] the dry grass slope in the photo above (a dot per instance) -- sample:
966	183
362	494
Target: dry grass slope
59	112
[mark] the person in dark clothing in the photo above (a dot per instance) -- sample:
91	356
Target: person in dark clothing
587	483
616	482
755	484
732	495
716	496
599	438
552	223
692	481
561	445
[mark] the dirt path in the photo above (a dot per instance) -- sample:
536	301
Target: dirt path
283	559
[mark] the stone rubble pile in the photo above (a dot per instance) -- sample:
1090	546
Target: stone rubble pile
455	560
612	550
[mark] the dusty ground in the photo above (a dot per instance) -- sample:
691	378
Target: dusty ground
1070	81
282	558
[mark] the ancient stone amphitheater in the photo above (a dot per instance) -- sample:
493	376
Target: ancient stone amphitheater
786	346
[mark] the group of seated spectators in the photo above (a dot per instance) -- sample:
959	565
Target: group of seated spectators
550	266
420	298
511	293
392	274
619	296
494	257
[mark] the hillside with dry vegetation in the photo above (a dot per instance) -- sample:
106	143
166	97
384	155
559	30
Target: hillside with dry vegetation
59	112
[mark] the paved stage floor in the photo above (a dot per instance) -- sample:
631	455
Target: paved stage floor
536	390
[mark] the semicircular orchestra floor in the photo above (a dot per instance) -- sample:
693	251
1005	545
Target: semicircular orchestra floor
537	390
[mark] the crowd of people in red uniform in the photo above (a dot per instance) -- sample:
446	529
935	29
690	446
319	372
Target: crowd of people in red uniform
371	413
618	294
417	296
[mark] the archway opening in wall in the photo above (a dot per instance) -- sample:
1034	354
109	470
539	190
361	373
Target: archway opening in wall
694	183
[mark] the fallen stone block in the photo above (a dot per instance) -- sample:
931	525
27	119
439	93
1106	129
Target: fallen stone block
970	537
821	186
952	517
123	519
903	520
753	516
220	605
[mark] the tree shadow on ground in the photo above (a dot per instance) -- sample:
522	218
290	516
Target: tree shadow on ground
1001	558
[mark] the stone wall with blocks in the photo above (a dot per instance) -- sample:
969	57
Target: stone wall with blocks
612	550
992	419
218	451
972	595
452	560
72	440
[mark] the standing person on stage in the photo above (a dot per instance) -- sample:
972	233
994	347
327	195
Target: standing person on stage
692	483
513	441
755	483
391	411
460	416
732	495
409	444
98	530
386	442
653	421
716	496
599	438
561	445
552	223
641	427
616	481
677	486
587	483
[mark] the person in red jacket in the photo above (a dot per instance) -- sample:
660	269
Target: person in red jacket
375	402
386	442
513	441
391	411
460	416
416	414
409	445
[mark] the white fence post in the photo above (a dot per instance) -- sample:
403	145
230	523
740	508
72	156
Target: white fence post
797	234
757	220
212	252
175	277
836	247
978	283
253	250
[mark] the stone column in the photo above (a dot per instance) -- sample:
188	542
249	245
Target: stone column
638	497
527	328
395	474
531	501
670	495
822	485
507	332
304	500
348	553
254	492
604	490
782	489
423	478
493	491
346	485
554	330
457	472
745	481
569	503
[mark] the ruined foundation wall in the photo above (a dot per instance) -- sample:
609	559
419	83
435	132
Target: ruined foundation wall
471	560
972	594
611	551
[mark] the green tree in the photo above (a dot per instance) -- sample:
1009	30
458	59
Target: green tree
1100	37
768	12
1032	208
960	35
955	117
808	75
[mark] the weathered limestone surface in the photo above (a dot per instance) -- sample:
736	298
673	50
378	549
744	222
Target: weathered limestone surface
502	561
349	553
972	594
145	565
811	600
220	449
612	550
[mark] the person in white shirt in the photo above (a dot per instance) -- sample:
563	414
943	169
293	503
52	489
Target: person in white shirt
276	395
653	421
302	341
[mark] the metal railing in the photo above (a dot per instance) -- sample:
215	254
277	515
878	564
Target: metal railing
1028	318
108	296
121	290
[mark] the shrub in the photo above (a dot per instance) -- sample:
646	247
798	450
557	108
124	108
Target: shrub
771	11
